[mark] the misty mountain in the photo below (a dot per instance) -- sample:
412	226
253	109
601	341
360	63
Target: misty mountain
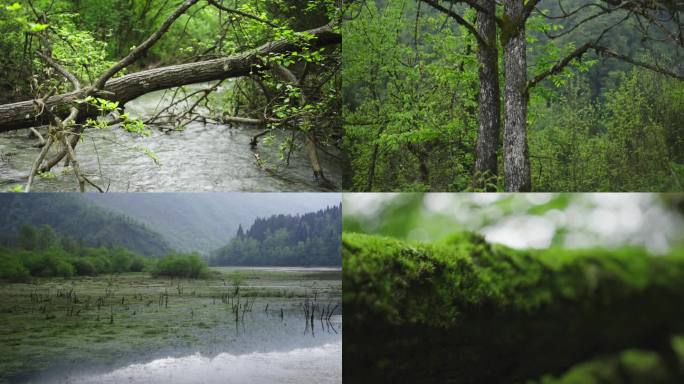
78	217
206	221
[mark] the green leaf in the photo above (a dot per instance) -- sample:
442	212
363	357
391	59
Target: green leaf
37	27
13	7
17	188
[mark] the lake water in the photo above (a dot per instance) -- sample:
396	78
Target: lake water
273	342
271	352
322	364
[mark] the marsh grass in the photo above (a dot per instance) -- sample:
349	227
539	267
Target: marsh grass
103	319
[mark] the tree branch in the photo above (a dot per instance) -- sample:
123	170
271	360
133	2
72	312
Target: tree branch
459	19
600	50
244	14
122	89
142	48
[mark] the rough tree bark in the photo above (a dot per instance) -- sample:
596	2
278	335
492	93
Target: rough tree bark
488	98
489	104
516	160
22	114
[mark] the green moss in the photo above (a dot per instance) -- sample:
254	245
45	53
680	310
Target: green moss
509	28
633	366
464	270
485	303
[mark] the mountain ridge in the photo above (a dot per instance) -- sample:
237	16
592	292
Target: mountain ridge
75	216
204	222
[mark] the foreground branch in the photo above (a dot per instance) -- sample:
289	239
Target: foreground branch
123	89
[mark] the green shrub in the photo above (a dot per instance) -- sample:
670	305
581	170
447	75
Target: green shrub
54	265
11	268
137	264
121	260
182	265
84	267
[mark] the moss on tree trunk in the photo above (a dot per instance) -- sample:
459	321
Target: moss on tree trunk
466	311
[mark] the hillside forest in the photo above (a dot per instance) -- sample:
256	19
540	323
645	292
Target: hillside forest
514	95
311	239
85	80
77	219
66	235
40	252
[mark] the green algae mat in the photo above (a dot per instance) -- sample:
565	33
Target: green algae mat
466	311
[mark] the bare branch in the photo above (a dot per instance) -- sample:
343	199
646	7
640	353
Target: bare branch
238	12
459	19
580	51
142	48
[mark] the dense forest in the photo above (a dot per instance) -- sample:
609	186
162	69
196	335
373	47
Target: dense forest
510	95
311	239
78	219
70	66
41	252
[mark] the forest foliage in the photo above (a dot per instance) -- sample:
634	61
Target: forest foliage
87	38
41	252
410	88
311	239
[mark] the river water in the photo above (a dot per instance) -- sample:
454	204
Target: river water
202	157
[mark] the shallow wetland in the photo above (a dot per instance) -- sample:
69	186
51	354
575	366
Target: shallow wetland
248	324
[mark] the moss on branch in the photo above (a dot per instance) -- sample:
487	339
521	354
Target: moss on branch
463	310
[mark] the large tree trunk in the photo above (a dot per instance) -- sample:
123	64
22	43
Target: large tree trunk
516	160
373	164
23	114
489	98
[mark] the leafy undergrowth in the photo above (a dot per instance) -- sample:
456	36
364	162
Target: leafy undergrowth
464	310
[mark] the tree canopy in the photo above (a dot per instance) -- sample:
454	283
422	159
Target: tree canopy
311	239
485	95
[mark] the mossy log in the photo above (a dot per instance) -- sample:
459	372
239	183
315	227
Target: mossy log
466	311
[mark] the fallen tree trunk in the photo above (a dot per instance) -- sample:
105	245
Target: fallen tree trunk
123	89
464	311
